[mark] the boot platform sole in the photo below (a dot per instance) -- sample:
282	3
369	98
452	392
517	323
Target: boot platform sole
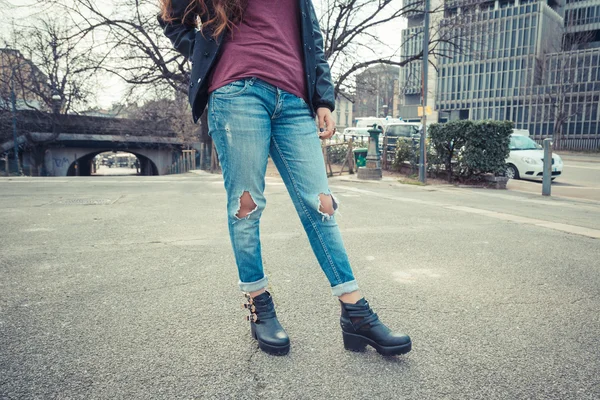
359	343
269	348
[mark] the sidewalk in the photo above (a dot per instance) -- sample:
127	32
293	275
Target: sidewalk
580	157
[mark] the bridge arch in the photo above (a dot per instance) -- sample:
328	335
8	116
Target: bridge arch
82	166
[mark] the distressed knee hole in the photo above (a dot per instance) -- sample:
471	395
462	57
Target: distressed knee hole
327	205
247	206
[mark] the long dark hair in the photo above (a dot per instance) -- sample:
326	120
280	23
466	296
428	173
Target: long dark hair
227	13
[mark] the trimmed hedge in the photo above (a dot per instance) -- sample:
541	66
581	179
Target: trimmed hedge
447	139
471	148
487	148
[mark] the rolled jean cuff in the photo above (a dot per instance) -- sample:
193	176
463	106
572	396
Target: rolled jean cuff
253	286
343	288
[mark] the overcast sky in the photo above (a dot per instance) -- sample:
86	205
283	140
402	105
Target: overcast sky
111	88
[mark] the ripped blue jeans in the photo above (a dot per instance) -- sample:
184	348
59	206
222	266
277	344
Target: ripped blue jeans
249	120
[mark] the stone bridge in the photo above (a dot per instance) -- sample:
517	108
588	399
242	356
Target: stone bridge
69	143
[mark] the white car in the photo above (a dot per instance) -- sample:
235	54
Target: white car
381	123
526	160
403	130
358	135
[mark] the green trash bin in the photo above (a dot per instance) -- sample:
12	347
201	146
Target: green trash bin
360	157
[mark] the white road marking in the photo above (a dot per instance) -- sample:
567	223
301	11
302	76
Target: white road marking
577	230
574	166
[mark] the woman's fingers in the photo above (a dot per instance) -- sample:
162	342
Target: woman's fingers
326	123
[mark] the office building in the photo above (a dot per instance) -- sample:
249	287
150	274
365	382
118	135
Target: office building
343	111
24	78
533	62
376	91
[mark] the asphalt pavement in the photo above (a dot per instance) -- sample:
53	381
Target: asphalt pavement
125	288
104	170
580	178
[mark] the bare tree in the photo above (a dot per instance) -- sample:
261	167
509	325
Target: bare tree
135	48
45	67
174	113
349	28
55	66
138	52
561	75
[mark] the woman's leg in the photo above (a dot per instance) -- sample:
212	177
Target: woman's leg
296	151
240	127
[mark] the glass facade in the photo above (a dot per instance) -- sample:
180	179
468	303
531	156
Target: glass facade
507	61
583	15
412	43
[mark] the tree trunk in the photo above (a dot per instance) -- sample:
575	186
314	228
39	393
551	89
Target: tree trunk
38	153
449	164
206	139
557	135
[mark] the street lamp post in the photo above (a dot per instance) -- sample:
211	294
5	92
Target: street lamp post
13	101
56	99
425	66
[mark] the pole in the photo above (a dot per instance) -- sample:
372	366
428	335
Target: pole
425	67
13	100
547	179
202	151
377	90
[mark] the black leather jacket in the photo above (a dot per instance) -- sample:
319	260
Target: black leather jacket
203	51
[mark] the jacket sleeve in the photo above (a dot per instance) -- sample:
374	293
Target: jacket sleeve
181	33
324	94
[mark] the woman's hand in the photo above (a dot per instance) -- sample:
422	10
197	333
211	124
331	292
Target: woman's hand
326	123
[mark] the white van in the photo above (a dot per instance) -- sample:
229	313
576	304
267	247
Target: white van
381	123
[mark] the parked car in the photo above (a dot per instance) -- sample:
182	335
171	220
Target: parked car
402	130
409	132
356	134
526	160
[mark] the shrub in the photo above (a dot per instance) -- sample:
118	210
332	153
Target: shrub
337	153
447	139
404	152
475	147
486	148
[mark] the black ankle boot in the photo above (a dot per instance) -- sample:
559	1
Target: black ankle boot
362	327
265	327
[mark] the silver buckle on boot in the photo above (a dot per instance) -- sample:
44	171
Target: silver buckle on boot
252	317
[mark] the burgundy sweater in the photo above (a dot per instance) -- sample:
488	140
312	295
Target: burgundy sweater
266	45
